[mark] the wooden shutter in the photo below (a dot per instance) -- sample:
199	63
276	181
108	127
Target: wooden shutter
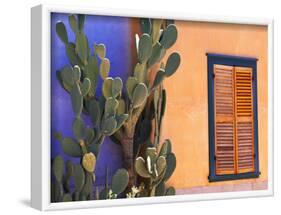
244	119
224	119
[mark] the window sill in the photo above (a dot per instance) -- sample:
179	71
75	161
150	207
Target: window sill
214	178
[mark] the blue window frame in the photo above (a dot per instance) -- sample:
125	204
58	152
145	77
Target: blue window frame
237	61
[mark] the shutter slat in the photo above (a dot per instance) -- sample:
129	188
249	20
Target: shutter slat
244	120
224	119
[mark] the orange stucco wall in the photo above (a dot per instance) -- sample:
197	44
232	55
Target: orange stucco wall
186	117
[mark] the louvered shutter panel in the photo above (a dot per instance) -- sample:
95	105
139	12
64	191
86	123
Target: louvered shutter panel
244	119
224	119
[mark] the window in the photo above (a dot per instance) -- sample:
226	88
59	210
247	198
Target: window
233	127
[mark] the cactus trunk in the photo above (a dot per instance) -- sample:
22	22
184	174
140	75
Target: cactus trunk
127	143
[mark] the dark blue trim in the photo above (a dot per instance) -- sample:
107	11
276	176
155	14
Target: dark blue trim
230	60
234	176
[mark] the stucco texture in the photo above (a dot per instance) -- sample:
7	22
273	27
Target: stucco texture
186	117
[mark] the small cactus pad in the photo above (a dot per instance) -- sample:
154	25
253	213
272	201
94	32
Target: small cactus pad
104	68
170	191
117	86
159	78
166	148
140	72
161	164
79	177
71	54
89	135
156	54
78	128
131	83
160	189
171	166
76	73
67	76
77	99
111	106
81	21
73	23
82	48
141	168
145	48
89	162
69	169
121	107
71	148
67	197
145	25
120	120
109	125
58	168
61	32
91	71
169	37
88	185
156	26
172	64
85	87
152	154
106	87
120	181
100	50
139	95
95	111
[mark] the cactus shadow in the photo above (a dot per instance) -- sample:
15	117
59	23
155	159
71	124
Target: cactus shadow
25	202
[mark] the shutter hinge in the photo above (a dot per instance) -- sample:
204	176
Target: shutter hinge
254	155
215	157
214	74
253	78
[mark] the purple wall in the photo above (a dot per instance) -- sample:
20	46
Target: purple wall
115	33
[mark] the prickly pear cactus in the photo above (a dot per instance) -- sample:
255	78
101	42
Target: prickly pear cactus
121	116
106	112
118	185
157	167
151	45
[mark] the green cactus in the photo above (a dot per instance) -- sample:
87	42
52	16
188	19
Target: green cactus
139	96
58	168
118	185
172	64
67	197
77	99
157	167
61	32
115	114
69	171
145	25
144	48
100	50
120	181
152	167
83	181
170	191
71	147
89	162
117	86
130	86
169	36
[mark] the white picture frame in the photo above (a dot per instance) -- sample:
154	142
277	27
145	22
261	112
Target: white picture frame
40	161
